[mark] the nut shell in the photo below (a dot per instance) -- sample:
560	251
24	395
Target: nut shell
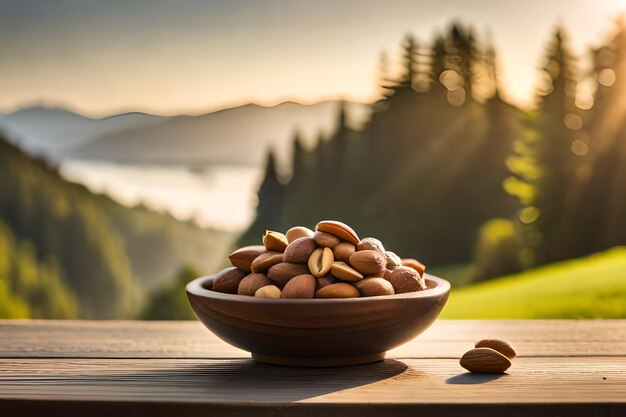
485	360
326	239
281	273
338	290
266	260
368	262
242	258
275	241
345	272
320	262
227	280
298	232
371	287
371	243
415	264
269	291
405	279
498	345
393	260
299	250
325	281
251	283
343	251
339	229
301	286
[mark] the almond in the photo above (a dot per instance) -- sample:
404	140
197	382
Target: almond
338	290
325	281
320	262
264	261
343	251
498	345
485	360
341	230
299	250
284	271
227	280
345	272
415	264
251	283
405	279
269	291
275	241
326	239
301	286
393	260
242	258
370	287
368	262
298	232
370	243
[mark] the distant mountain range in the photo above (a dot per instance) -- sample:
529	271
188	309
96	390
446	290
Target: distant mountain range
238	135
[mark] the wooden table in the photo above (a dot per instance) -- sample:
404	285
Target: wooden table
87	368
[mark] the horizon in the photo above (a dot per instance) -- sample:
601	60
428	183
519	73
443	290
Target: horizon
100	60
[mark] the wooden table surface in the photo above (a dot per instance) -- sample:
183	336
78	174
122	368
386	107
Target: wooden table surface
88	368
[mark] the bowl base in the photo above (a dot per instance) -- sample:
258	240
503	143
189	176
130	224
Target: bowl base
318	362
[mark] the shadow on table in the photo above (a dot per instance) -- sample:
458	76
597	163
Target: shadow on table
247	380
472	379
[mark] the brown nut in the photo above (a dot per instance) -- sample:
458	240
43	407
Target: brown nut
299	250
370	287
485	360
345	272
275	241
339	229
405	279
298	232
320	262
284	271
269	291
498	345
393	260
338	290
371	243
325	281
343	251
301	286
251	283
326	239
263	262
242	258
368	262
415	264
227	280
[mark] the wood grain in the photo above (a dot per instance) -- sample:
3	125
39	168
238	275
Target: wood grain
189	339
179	368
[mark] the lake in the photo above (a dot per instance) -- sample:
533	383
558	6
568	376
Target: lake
222	196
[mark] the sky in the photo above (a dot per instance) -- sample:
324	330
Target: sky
192	56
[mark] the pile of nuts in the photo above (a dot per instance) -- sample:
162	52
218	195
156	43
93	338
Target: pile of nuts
489	356
331	262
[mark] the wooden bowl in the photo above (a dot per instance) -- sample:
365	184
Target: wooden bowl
317	332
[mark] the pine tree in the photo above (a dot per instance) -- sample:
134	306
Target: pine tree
549	210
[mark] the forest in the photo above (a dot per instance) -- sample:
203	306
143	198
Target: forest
446	171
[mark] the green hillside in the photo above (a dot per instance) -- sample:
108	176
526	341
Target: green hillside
589	287
66	252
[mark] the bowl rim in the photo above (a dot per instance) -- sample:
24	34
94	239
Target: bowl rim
197	289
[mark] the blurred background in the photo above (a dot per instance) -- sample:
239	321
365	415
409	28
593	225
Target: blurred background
142	141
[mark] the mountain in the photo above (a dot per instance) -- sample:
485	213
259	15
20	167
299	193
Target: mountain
50	131
99	257
238	135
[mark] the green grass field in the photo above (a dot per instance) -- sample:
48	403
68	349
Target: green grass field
589	287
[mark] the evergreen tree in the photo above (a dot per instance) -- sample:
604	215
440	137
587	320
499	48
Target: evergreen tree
548	212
